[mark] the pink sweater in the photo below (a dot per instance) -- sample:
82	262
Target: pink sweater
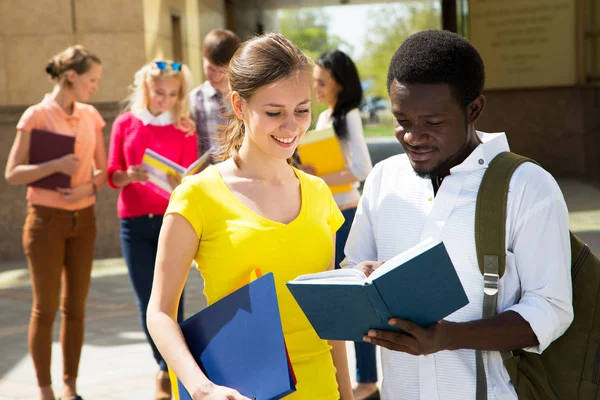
129	139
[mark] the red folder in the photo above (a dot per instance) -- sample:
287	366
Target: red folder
46	146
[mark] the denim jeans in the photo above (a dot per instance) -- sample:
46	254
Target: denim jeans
366	364
139	243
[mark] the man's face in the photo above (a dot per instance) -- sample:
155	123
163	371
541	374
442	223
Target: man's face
215	75
432	126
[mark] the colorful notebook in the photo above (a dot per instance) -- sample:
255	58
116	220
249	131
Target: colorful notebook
238	342
158	167
321	149
46	146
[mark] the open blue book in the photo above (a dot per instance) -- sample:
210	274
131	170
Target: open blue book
238	342
420	285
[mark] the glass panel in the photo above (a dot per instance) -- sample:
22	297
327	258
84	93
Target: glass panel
462	15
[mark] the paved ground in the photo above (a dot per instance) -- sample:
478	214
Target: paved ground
116	361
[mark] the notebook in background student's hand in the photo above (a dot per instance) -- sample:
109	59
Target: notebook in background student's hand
238	343
158	167
47	146
420	285
321	149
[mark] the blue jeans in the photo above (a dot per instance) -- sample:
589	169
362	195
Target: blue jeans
139	243
366	363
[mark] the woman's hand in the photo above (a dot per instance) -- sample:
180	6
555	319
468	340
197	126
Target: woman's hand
308	168
137	173
67	164
367	267
173	180
217	392
187	126
73	195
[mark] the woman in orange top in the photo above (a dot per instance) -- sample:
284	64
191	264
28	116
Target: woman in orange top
60	228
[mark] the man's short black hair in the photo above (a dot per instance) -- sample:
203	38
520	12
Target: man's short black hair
435	56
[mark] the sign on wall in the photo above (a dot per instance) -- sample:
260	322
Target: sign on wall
525	43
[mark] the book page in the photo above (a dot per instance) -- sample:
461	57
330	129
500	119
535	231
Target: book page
342	276
315	135
158	167
162	163
401	258
199	164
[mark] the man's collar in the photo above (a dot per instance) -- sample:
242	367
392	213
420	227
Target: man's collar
147	118
209	90
491	145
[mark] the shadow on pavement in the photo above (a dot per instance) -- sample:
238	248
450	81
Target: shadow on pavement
112	320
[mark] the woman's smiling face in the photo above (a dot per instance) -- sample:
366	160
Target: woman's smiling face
277	115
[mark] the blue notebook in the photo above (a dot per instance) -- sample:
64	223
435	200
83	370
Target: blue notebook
238	342
420	285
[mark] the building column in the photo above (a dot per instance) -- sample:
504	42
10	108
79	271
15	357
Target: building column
449	17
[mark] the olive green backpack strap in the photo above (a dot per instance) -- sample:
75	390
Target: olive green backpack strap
490	238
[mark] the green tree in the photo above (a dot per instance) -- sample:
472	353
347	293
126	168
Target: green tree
388	27
307	28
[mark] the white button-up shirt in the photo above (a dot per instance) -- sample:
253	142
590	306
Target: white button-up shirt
398	209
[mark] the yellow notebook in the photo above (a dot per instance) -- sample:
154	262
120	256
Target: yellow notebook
321	149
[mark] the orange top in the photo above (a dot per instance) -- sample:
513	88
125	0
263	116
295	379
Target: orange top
83	124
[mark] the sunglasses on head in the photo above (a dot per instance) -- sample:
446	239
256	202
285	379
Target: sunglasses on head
162	65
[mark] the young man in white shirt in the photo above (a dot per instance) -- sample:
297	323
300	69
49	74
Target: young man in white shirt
206	101
435	83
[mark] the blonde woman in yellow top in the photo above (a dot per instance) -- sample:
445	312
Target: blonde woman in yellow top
253	210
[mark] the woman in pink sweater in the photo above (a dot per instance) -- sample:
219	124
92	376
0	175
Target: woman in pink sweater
156	118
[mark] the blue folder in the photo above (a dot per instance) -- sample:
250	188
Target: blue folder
423	289
238	342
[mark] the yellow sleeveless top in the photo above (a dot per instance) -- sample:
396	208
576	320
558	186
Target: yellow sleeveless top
234	241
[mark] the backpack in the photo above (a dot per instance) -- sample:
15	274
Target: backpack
569	369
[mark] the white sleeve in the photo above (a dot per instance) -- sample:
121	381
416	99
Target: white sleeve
360	160
361	244
541	246
322	120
